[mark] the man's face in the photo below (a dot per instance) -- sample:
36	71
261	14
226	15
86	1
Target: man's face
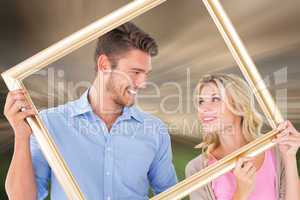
128	77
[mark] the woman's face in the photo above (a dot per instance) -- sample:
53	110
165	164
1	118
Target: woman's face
213	112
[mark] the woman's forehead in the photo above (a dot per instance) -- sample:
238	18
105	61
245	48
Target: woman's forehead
209	89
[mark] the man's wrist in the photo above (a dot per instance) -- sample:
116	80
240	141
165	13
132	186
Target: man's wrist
21	142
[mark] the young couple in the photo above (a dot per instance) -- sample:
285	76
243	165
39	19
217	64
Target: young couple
116	151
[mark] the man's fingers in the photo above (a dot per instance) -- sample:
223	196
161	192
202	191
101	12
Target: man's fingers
18	105
26	113
12	96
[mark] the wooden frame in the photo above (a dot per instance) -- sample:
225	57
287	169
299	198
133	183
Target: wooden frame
14	76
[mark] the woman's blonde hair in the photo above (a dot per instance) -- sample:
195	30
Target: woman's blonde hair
239	100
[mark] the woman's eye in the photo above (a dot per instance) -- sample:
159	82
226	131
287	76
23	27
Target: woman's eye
215	99
200	102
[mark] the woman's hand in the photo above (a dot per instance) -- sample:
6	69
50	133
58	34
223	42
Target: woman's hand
288	140
245	173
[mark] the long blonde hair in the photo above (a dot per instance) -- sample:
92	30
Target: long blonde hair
239	100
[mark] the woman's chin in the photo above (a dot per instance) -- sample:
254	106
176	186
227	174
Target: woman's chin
209	130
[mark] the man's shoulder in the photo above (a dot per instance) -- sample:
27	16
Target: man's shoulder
147	117
59	110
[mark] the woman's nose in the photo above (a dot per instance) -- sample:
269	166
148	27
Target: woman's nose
206	106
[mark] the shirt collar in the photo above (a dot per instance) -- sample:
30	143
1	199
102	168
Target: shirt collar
82	106
132	112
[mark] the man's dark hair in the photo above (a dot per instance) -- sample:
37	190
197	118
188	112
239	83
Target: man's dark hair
123	39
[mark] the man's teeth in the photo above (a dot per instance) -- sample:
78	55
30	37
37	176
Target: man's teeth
132	91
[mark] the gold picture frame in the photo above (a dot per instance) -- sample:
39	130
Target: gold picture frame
14	76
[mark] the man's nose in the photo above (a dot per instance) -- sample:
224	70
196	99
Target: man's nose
140	82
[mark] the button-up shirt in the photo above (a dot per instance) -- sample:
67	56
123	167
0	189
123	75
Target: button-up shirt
118	164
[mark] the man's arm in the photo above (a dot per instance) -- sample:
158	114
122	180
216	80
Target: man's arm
20	179
162	173
20	182
28	172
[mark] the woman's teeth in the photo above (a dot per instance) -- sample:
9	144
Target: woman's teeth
207	119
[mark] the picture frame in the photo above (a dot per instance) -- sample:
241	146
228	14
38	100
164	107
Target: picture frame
15	75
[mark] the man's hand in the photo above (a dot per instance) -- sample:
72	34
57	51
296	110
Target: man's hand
16	110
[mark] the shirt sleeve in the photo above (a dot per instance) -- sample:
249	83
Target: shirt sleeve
162	173
41	168
200	193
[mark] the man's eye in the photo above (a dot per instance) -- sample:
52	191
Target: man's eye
136	72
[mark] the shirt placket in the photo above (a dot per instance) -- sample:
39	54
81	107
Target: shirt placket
108	165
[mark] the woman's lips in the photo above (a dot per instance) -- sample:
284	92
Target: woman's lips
208	119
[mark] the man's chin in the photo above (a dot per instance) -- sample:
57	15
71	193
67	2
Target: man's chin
130	103
127	103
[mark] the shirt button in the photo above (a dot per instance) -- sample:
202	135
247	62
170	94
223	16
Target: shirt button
107	173
108	198
108	148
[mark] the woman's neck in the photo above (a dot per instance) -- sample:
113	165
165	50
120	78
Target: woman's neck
231	139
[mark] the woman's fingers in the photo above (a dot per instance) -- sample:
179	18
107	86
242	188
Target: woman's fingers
282	126
289	138
247	166
290	143
244	164
292	129
252	171
283	133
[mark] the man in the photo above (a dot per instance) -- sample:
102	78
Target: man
114	150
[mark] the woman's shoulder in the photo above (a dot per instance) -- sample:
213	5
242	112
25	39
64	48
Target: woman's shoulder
196	165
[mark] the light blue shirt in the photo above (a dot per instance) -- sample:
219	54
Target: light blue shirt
120	164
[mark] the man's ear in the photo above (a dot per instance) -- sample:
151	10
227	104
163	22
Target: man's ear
103	63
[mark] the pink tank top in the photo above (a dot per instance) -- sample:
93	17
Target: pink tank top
265	188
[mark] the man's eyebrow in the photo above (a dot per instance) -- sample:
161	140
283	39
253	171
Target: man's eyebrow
141	70
137	69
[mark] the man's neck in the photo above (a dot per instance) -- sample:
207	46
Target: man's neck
104	107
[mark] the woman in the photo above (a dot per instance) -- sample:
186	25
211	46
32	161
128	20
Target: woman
229	121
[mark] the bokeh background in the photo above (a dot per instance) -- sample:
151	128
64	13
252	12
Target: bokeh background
190	46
